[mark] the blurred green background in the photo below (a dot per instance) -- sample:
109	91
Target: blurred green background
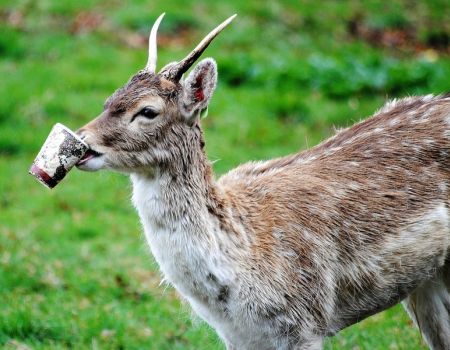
75	271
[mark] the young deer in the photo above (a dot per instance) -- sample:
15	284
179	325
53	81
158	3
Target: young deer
280	254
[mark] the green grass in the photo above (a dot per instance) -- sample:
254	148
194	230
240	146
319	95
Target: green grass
75	271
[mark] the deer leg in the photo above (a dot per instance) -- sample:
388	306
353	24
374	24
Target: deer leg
429	308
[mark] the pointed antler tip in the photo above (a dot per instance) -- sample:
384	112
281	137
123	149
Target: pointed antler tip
227	21
152	46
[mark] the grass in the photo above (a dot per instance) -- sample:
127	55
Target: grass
75	271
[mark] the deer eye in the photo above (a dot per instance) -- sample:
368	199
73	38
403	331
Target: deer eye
146	112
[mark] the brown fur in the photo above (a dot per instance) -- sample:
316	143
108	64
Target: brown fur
282	253
351	197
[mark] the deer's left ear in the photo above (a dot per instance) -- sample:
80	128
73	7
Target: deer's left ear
198	88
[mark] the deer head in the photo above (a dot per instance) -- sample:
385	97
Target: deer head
145	122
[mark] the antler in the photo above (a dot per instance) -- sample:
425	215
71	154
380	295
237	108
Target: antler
152	46
174	72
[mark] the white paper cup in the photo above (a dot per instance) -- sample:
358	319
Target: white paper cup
61	151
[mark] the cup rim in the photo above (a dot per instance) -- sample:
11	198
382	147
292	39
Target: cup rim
78	138
42	176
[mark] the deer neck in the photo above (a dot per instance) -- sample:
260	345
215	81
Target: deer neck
183	216
180	192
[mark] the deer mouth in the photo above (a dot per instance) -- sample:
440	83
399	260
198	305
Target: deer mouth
90	154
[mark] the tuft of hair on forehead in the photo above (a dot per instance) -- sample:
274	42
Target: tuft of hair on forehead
141	84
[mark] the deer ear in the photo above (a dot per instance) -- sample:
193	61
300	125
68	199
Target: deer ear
198	88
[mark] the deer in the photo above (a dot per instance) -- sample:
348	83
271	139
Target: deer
283	253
